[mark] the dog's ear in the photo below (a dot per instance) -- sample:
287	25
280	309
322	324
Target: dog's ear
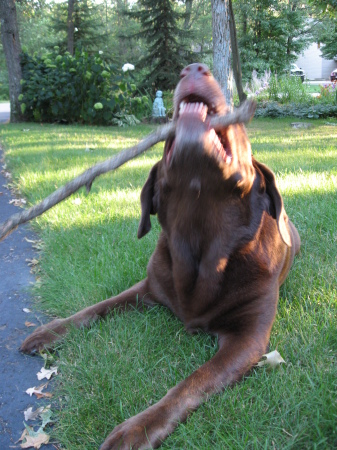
149	202
277	210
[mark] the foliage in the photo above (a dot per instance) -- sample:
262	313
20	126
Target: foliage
89	33
166	53
300	110
328	93
326	34
270	33
258	87
288	89
4	89
81	88
34	21
283	89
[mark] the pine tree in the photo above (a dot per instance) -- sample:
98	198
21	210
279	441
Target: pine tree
167	54
89	33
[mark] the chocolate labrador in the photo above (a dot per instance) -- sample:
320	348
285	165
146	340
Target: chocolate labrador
225	248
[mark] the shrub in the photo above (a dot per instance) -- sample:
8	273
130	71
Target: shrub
79	88
287	89
328	94
258	87
300	110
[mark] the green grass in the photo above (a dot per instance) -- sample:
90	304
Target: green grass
120	366
313	88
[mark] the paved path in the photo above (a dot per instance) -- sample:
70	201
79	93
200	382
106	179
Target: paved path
4	112
17	371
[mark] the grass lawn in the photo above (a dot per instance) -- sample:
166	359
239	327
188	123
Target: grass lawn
313	88
120	366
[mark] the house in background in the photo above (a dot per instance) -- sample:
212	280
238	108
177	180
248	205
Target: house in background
314	65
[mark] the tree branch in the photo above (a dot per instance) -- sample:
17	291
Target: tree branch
241	115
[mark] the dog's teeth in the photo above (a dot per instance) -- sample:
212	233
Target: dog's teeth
182	107
219	147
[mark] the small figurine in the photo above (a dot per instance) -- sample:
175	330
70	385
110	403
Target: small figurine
158	109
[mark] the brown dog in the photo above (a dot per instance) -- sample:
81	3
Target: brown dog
225	248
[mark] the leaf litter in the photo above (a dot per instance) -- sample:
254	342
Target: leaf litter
272	359
31	438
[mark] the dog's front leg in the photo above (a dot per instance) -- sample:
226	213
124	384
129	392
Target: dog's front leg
236	355
45	335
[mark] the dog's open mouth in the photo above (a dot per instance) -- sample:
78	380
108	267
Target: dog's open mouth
201	111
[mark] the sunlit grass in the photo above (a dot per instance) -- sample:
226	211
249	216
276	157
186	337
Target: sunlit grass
120	366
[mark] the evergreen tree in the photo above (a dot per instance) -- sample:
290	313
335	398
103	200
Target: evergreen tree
166	54
89	32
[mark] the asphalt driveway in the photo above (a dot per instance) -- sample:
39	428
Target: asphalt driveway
17	371
4	112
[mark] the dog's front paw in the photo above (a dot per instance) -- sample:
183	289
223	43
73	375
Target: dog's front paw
146	430
43	336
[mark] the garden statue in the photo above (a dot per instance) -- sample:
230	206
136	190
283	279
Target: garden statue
158	109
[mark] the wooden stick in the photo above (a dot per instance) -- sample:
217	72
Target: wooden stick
240	115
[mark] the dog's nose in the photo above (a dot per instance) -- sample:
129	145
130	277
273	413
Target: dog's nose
195	70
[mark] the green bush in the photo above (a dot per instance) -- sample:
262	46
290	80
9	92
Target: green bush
328	94
300	110
287	89
80	88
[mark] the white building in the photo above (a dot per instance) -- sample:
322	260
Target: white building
314	65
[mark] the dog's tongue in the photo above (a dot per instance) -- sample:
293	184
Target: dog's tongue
190	114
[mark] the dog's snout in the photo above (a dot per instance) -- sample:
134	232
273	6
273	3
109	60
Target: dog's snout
196	70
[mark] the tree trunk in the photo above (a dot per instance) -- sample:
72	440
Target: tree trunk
12	50
236	56
222	51
188	12
71	26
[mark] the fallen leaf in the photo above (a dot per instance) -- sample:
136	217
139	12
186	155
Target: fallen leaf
32	262
46	373
33	439
46	417
272	359
77	201
26	310
17	201
30	324
33	415
38	391
29	240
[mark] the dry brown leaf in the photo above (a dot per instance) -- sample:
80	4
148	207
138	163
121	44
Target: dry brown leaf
34	441
272	359
38	391
30	324
46	373
32	262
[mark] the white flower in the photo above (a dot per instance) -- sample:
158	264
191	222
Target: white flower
127	67
100	52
